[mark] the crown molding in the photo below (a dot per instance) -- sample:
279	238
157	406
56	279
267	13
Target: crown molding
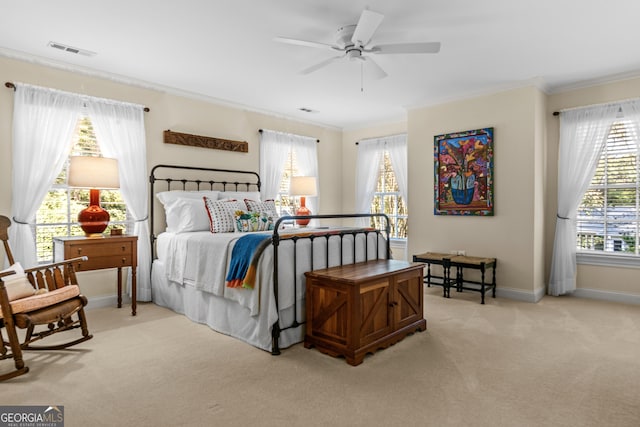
611	78
143	84
537	82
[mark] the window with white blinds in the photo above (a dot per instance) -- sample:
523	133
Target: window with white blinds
608	218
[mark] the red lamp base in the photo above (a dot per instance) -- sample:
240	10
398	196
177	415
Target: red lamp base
303	211
93	220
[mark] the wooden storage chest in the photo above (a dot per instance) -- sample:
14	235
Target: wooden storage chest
359	308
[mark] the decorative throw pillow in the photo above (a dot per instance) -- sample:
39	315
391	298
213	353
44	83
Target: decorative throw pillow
253	221
221	214
268	206
17	285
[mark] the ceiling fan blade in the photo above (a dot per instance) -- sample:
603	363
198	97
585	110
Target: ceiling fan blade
367	25
428	47
320	65
376	70
305	43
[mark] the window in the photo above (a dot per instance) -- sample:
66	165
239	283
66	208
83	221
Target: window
285	204
387	200
57	215
283	155
608	218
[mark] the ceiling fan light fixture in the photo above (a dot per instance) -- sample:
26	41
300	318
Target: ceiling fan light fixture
353	41
354	54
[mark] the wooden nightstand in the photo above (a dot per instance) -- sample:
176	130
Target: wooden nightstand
103	252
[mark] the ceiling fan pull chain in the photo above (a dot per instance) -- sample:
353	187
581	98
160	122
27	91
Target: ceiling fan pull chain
362	77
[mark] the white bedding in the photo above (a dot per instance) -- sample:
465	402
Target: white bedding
201	259
189	277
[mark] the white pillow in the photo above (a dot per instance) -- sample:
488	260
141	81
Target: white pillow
185	210
17	285
185	215
239	195
222	214
171	196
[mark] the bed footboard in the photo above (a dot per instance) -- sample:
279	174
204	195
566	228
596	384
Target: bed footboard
384	231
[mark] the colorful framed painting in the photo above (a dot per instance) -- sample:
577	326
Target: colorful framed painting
463	181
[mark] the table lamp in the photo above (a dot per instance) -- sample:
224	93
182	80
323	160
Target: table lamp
303	186
94	173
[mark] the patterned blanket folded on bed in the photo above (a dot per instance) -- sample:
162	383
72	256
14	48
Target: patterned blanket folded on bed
244	260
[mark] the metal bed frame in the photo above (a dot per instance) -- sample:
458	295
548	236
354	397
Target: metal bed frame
250	181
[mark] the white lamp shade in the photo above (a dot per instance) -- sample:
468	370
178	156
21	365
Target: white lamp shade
303	186
93	172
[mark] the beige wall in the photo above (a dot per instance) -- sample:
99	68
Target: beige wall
520	235
540	192
178	113
509	235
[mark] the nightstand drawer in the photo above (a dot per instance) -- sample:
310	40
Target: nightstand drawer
93	251
98	262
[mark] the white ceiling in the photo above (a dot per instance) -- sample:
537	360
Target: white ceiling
224	49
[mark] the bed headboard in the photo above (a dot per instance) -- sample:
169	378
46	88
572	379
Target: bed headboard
192	178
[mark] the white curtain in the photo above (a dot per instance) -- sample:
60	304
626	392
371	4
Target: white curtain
397	147
370	154
120	131
43	123
583	135
631	111
274	148
307	158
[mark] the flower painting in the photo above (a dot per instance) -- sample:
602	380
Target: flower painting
464	173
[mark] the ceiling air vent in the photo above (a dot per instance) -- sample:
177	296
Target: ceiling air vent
71	49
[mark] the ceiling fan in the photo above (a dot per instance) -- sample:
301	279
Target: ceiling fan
353	43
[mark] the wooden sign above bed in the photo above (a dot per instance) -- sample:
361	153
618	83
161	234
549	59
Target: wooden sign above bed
205	142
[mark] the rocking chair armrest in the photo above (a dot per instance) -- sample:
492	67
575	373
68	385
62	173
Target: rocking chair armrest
7	273
56	264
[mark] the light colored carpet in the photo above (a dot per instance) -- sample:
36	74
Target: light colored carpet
562	362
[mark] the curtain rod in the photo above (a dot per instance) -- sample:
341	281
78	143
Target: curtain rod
317	140
557	113
380	137
12	86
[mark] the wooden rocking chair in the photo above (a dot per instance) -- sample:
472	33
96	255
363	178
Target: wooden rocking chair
44	297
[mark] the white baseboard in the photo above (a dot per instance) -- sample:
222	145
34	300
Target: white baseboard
520	295
607	296
106	301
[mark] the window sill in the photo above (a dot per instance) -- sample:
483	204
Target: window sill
608	260
398	243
